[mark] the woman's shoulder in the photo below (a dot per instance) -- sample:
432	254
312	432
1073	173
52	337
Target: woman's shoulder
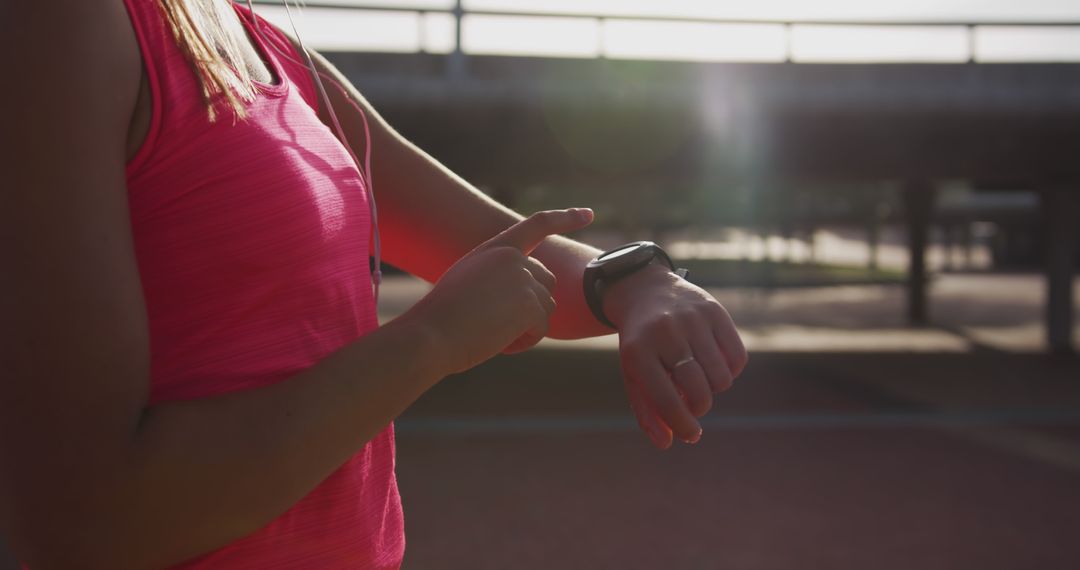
73	49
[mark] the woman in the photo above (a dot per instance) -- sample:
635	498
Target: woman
194	370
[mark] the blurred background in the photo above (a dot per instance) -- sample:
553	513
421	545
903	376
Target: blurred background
884	195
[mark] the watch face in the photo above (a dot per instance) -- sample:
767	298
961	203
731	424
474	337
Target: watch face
620	251
626	259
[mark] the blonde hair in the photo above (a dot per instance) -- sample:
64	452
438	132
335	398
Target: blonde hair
200	31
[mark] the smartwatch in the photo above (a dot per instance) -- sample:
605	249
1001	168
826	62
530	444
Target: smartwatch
614	264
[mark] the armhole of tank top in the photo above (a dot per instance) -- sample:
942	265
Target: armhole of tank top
308	91
155	90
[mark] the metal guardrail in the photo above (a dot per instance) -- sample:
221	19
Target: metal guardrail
459	12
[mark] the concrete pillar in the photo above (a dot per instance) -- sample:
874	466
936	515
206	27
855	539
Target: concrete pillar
1060	208
918	207
873	240
812	245
456	62
947	247
967	244
787	234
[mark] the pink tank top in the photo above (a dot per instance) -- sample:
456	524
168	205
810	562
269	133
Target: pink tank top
252	241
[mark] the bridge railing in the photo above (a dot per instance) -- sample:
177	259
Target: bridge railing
974	41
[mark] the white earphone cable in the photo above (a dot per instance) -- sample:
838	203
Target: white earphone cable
365	167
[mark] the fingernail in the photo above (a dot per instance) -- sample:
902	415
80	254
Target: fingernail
584	213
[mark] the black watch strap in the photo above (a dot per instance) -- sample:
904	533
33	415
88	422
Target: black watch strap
616	263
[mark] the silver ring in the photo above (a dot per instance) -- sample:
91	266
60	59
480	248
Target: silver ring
683	361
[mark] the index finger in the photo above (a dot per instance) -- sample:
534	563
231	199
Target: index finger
529	233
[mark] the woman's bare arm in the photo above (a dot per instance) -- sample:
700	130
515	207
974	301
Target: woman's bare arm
90	477
415	193
661	318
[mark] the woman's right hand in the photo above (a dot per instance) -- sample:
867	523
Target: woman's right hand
496	298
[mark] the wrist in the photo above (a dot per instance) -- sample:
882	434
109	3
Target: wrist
619	297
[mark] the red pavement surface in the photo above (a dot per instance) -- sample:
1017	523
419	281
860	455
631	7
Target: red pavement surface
976	490
838	498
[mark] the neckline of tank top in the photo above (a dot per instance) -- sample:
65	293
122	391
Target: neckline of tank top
271	89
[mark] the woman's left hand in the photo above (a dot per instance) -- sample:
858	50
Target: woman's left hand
678	346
